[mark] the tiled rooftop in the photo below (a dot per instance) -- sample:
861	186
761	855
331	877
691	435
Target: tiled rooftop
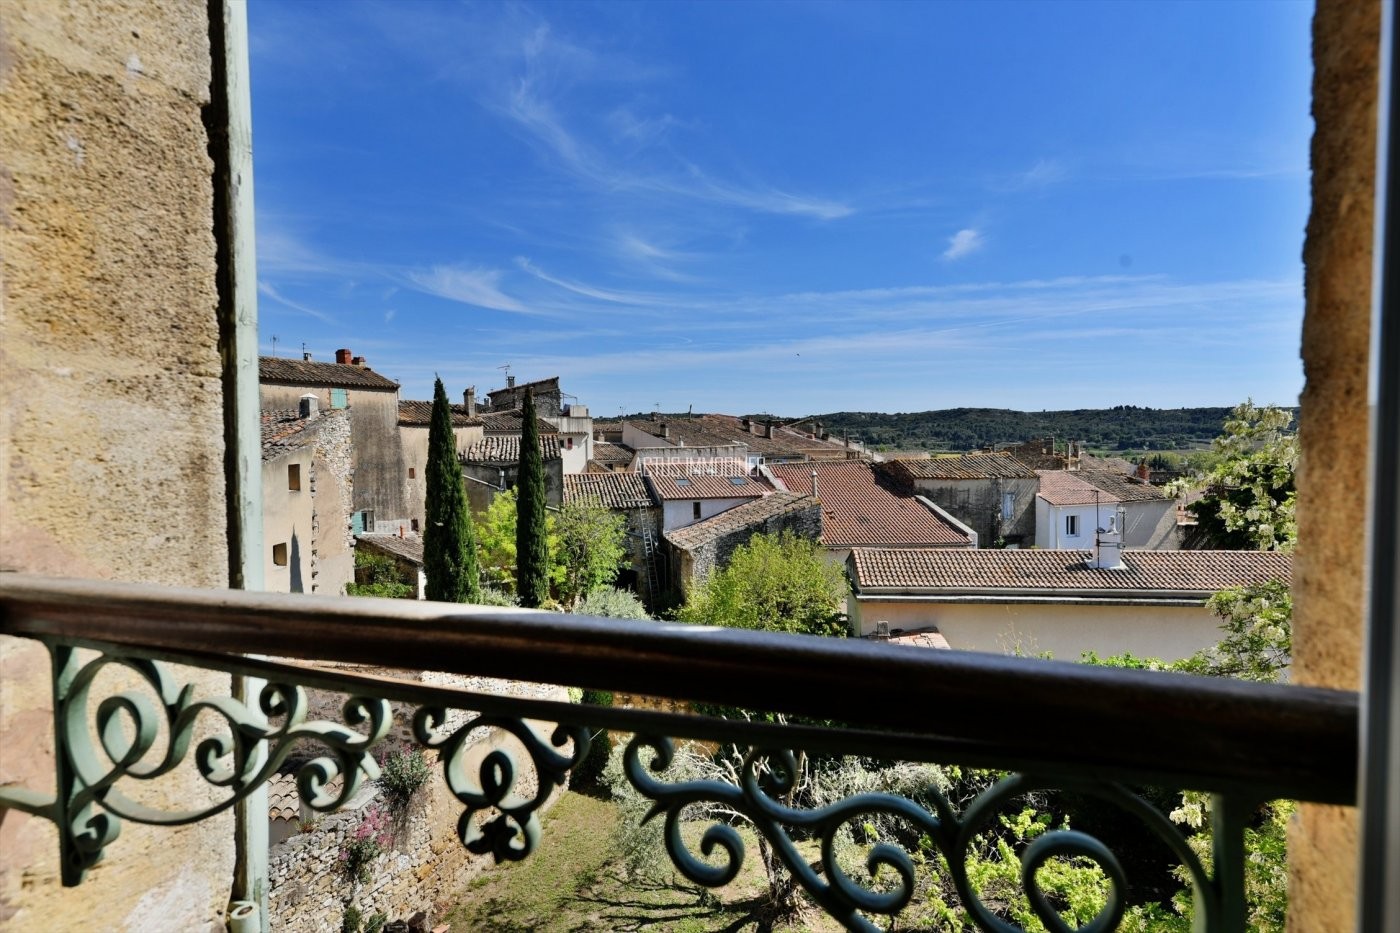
408	546
285	430
859	509
1125	488
501	448
967	466
613	490
605	452
703	486
994	571
420	414
1060	488
310	373
511	422
738	518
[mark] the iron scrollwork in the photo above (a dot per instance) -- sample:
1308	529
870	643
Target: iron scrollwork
768	774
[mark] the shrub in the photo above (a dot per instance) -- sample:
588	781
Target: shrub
379	575
401	774
612	603
490	596
365	844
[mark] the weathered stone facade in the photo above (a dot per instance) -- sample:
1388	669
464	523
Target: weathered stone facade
698	550
111	405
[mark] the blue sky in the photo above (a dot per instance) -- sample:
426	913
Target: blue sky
790	207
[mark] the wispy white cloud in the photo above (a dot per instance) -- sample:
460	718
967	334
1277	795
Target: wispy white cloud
580	288
266	288
1043	174
478	287
965	242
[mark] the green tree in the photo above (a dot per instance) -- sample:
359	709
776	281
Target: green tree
449	548
1250	496
778	584
591	549
495	537
531	528
379	575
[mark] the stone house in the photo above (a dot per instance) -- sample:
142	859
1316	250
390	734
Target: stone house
307	486
628	495
468	428
862	508
492	465
380	496
992	493
697	550
687	497
549	399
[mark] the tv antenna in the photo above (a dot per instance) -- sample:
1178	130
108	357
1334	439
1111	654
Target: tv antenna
274	344
506	368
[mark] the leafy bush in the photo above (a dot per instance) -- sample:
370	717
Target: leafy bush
490	596
773	583
401	774
379	575
612	603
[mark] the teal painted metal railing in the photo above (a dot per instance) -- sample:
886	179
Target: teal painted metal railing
1243	743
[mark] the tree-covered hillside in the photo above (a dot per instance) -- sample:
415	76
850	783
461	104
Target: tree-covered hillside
1123	427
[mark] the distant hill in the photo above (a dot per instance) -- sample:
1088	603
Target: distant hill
1123	427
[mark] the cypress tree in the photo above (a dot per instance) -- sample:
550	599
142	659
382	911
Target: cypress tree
531	549
449	545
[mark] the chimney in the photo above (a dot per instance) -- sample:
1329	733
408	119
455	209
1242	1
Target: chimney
342	357
310	407
510	382
469	399
306	356
746	424
359	361
1144	472
655	416
768	429
666	431
1108	544
815	493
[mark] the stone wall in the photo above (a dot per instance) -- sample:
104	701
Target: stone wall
1328	583
111	403
425	867
977	503
332	496
692	567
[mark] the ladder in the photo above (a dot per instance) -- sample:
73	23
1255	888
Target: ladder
649	558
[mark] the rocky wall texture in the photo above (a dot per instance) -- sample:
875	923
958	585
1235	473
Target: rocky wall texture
111	412
424	866
1333	427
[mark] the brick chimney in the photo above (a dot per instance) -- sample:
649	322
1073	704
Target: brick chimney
469	399
342	357
1144	472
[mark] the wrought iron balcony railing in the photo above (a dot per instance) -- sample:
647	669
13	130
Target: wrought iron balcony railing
1113	729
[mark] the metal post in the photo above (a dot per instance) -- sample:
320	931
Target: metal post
230	130
1379	795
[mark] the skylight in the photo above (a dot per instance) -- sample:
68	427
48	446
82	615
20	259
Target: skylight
738	481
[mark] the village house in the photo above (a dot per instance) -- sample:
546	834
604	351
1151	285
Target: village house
405	549
1072	507
1149	513
380	494
492	465
1147	603
701	548
608	457
992	493
628	495
691	495
415	418
861	508
307	488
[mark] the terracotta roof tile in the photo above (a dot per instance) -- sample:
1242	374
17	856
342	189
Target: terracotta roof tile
983	571
859	509
1125	488
284	431
420	414
736	519
605	452
310	373
1060	488
704	486
613	490
502	448
966	466
408	546
511	422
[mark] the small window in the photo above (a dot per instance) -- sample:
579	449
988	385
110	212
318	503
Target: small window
294	477
697	509
413	524
339	399
682	482
411	473
568	443
279	555
1072	526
